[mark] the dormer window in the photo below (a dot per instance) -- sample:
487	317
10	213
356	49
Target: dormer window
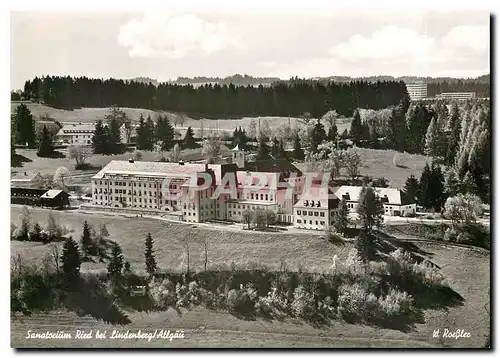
306	203
319	204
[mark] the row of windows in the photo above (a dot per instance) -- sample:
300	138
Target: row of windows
299	221
311	213
145	185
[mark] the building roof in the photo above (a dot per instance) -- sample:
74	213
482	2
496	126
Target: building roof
24	176
272	165
394	196
77	127
317	196
221	169
51	194
162	169
248	179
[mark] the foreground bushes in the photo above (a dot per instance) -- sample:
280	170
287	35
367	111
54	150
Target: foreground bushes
372	293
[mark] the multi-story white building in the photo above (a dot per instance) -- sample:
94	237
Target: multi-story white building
204	192
76	133
417	90
459	96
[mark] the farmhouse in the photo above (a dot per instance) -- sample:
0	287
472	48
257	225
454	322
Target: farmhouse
39	197
26	180
76	133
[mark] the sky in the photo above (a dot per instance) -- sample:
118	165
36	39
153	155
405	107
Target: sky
165	44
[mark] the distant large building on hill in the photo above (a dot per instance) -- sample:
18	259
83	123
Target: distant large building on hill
417	90
75	134
459	96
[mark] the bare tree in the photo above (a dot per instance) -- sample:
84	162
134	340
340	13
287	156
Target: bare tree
175	154
79	153
204	243
352	162
186	253
61	177
212	149
55	256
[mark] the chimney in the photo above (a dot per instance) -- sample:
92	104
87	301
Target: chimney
26	174
206	167
181	162
131	160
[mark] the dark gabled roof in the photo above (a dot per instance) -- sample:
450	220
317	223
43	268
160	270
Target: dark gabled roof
272	166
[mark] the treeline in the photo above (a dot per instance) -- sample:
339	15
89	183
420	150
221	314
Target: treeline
480	87
291	98
237	80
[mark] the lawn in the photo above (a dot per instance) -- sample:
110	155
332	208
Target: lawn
466	271
86	115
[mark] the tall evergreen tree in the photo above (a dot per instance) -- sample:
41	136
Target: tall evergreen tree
356	131
451	183
282	152
46	147
424	187
332	133
114	136
70	261
24	126
189	141
436	187
432	140
275	148
164	132
298	152
144	138
86	240
318	135
341	217
263	150
149	255
150	130
100	139
454	127
370	209
115	264
411	189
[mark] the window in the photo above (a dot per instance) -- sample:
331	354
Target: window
310	213
261	196
299	221
315	213
310	222
251	195
322	222
316	222
267	197
322	214
298	212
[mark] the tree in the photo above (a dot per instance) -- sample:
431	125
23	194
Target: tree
25	223
424	187
259	218
70	261
36	233
436	187
24	126
270	217
298	152
211	149
264	130
352	161
281	151
144	136
246	216
252	129
79	153
263	150
463	208
86	240
454	127
114	136
164	132
61	177
451	182
411	189
356	131
370	209
137	155
341	217
115	264
149	255
46	147
53	229
100	139
380	183
332	133
175	155
204	243
189	141
318	136
432	140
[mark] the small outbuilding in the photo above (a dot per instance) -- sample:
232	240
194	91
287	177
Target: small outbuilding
55	198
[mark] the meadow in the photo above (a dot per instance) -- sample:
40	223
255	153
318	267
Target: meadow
467	272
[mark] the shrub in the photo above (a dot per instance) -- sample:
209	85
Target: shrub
394	303
303	304
450	235
410	273
242	300
352	302
272	305
326	307
162	293
351	265
181	292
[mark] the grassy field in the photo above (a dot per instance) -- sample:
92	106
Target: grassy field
86	115
467	272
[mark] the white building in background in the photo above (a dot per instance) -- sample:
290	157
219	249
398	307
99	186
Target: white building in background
459	96
395	202
26	180
417	90
76	133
